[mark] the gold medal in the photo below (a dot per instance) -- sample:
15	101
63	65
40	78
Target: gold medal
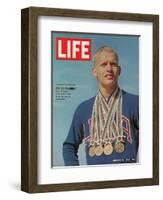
119	147
108	149
99	150
92	150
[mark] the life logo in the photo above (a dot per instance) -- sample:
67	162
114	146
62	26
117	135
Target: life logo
73	49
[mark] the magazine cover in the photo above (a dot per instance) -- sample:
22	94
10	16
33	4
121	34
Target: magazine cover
95	99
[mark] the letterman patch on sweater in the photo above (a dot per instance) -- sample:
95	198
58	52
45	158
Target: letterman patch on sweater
125	125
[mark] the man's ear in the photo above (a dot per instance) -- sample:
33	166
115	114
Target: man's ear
120	70
94	71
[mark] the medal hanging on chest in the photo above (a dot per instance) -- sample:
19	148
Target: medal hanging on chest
106	126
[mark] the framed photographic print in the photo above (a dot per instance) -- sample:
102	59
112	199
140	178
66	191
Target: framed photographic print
90	99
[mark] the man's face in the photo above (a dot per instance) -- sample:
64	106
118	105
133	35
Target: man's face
106	69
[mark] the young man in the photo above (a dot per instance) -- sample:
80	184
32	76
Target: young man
107	123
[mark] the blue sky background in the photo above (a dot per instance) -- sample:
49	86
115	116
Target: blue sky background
79	73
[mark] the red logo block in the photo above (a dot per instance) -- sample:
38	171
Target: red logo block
73	49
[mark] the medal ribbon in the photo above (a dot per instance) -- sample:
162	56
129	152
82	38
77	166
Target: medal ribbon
105	127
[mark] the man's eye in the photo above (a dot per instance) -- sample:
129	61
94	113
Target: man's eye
103	64
114	64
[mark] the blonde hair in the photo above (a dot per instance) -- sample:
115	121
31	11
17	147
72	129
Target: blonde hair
107	49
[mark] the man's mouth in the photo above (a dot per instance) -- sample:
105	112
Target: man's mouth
109	76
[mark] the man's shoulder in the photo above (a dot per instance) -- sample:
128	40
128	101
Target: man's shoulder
130	97
87	103
84	107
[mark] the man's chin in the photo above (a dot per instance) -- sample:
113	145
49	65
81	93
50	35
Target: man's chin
110	83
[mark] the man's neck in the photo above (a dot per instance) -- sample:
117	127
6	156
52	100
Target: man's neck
107	92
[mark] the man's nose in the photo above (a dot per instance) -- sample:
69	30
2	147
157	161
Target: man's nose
108	67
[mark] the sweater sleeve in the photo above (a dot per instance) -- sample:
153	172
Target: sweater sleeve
73	140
